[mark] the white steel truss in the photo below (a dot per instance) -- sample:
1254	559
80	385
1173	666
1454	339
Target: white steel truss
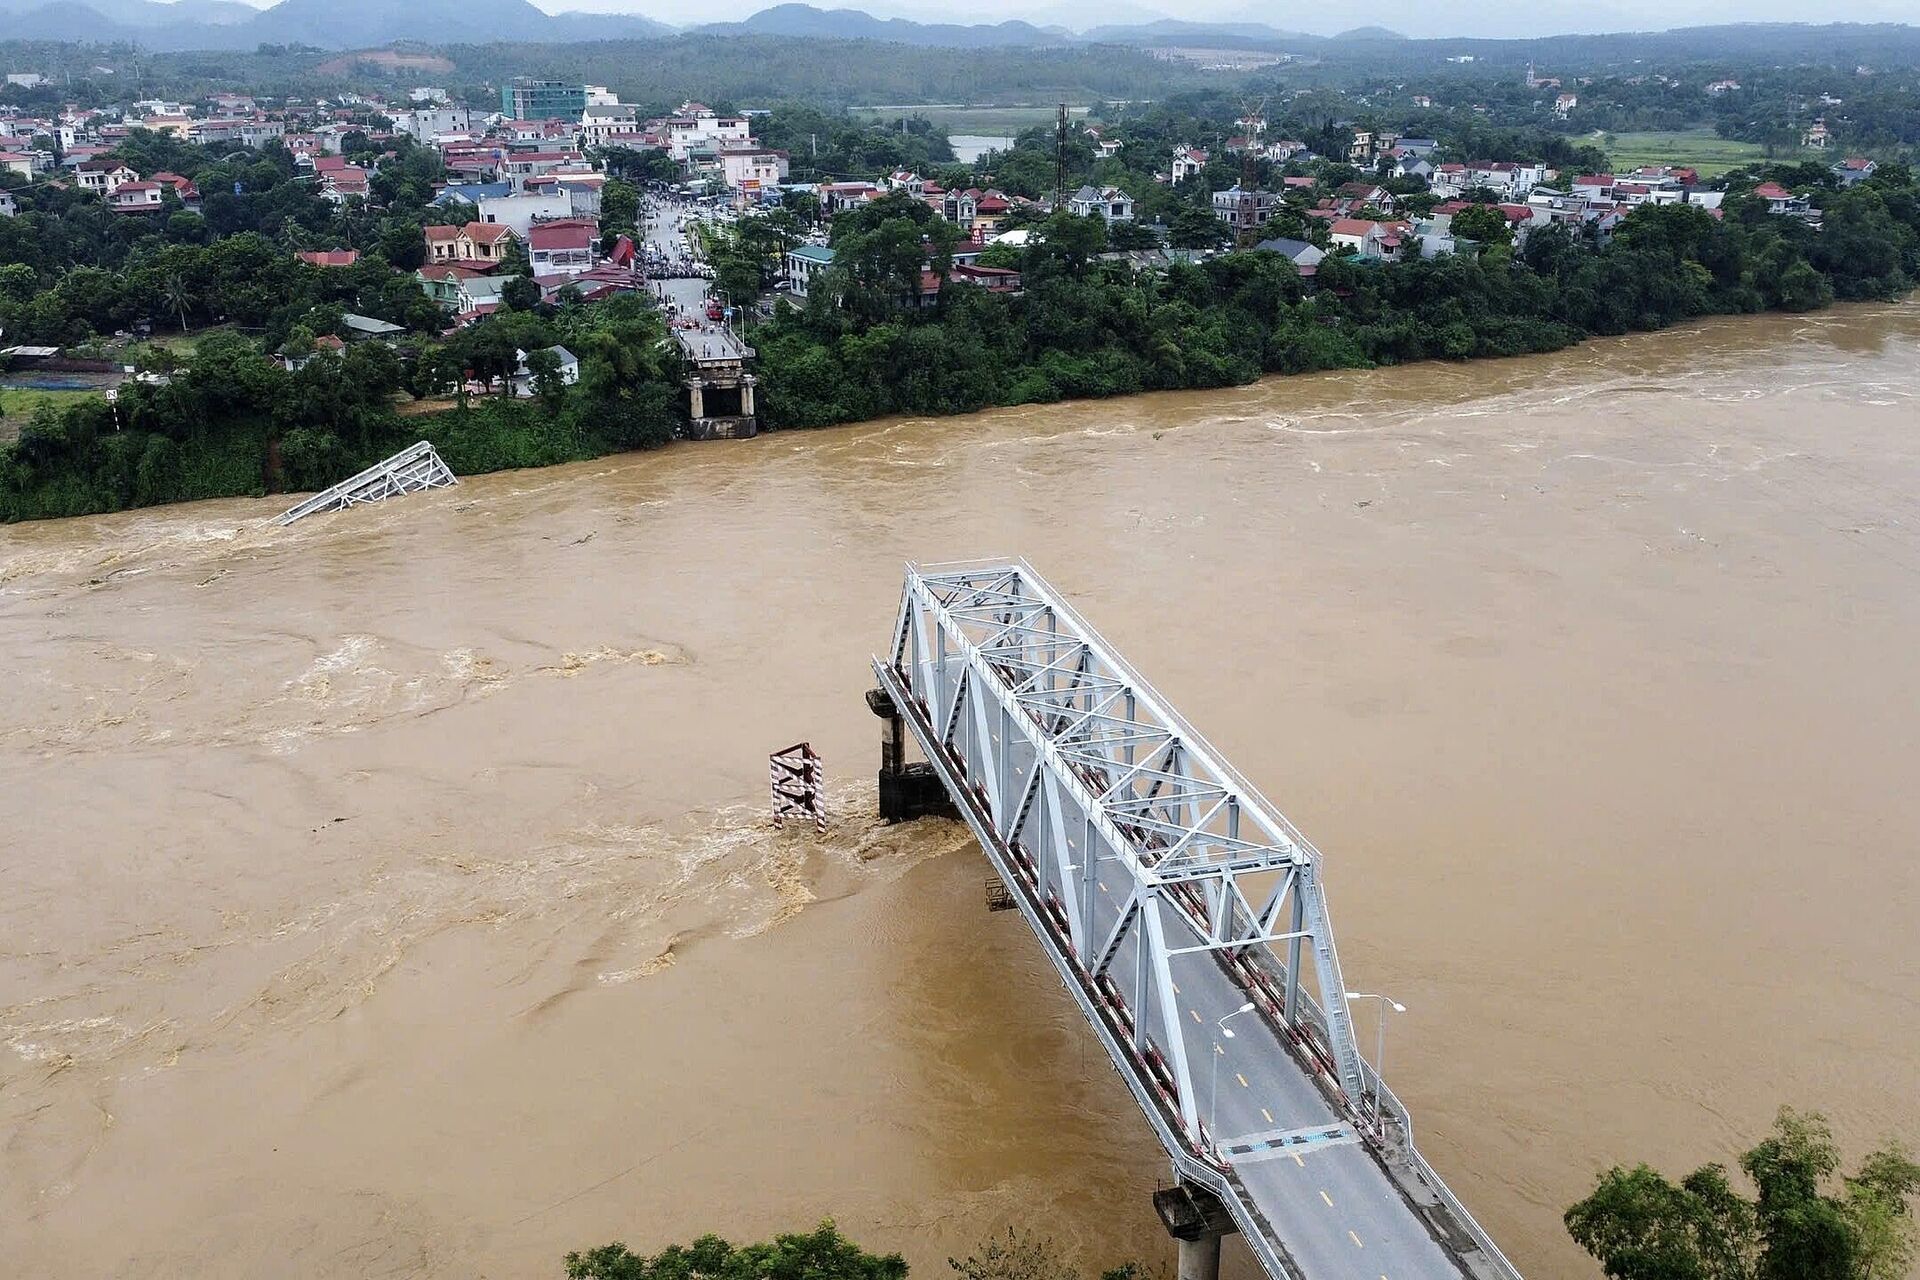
1086	776
416	467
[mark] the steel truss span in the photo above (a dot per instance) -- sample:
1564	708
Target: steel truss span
416	467
1172	896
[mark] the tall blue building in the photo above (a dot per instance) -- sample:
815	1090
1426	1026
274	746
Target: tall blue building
526	99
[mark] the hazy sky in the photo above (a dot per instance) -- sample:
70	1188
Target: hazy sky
1410	17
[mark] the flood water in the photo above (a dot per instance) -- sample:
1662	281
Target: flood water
969	147
389	894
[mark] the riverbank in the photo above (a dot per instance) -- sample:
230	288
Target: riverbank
1079	328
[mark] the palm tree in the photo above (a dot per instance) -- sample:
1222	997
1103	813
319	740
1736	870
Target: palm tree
173	292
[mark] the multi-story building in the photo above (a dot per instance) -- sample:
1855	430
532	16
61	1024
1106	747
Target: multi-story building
562	248
695	127
749	168
1243	211
527	99
604	120
1109	204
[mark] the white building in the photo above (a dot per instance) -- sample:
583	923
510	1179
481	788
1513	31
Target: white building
687	132
604	120
523	378
752	168
425	123
1109	204
517	212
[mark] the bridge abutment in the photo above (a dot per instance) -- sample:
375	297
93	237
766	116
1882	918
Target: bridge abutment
907	790
1197	1221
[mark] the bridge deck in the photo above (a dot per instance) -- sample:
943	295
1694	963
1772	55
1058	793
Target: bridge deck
997	679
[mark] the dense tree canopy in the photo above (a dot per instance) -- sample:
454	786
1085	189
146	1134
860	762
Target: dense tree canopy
822	1254
1798	1226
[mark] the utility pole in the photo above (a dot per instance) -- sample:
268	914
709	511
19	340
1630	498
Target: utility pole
1060	161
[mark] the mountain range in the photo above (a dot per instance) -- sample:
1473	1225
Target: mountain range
361	24
353	24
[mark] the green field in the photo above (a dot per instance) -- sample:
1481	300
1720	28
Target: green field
18	403
990	122
1703	149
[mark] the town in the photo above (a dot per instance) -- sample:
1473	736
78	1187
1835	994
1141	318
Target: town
443	254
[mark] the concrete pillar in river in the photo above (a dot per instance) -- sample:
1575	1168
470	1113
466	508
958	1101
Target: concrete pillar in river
1196	1220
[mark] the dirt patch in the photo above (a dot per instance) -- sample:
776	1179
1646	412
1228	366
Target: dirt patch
414	408
386	60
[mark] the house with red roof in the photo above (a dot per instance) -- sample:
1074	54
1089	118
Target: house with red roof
135	197
1370	238
1853	169
182	187
1782	201
1187	163
564	247
329	257
345	183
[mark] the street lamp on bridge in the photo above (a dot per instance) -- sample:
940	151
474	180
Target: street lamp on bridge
1379	1049
1213	1083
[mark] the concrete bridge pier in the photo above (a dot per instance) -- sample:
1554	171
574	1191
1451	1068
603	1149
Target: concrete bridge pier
1197	1221
907	790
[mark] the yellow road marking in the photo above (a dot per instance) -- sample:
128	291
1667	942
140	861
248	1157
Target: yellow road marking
1102	884
1327	1198
1356	1240
1176	988
1302	1163
1195	1013
1242	1079
1268	1114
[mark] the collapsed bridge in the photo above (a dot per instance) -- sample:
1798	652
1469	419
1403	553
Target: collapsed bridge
1186	916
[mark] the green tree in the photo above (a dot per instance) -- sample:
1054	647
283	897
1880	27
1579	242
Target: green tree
544	366
1194	227
1640	1226
1482	223
619	205
520	293
823	1254
178	295
17	281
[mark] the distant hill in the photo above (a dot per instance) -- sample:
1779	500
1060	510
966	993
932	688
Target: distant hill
129	13
326	24
854	24
361	24
336	23
1180	31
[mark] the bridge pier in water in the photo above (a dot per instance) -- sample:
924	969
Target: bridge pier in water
1197	1221
907	790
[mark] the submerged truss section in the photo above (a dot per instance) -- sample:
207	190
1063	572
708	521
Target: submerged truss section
1141	844
418	466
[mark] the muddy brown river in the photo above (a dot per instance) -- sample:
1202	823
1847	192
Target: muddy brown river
390	895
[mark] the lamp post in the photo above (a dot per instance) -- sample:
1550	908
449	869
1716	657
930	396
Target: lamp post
1213	1082
1380	1047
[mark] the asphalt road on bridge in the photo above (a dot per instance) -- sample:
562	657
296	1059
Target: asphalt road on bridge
1335	1210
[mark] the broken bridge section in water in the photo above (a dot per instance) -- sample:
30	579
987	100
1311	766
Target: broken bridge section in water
418	466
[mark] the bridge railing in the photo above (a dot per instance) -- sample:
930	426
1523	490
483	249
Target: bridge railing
1395	1112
